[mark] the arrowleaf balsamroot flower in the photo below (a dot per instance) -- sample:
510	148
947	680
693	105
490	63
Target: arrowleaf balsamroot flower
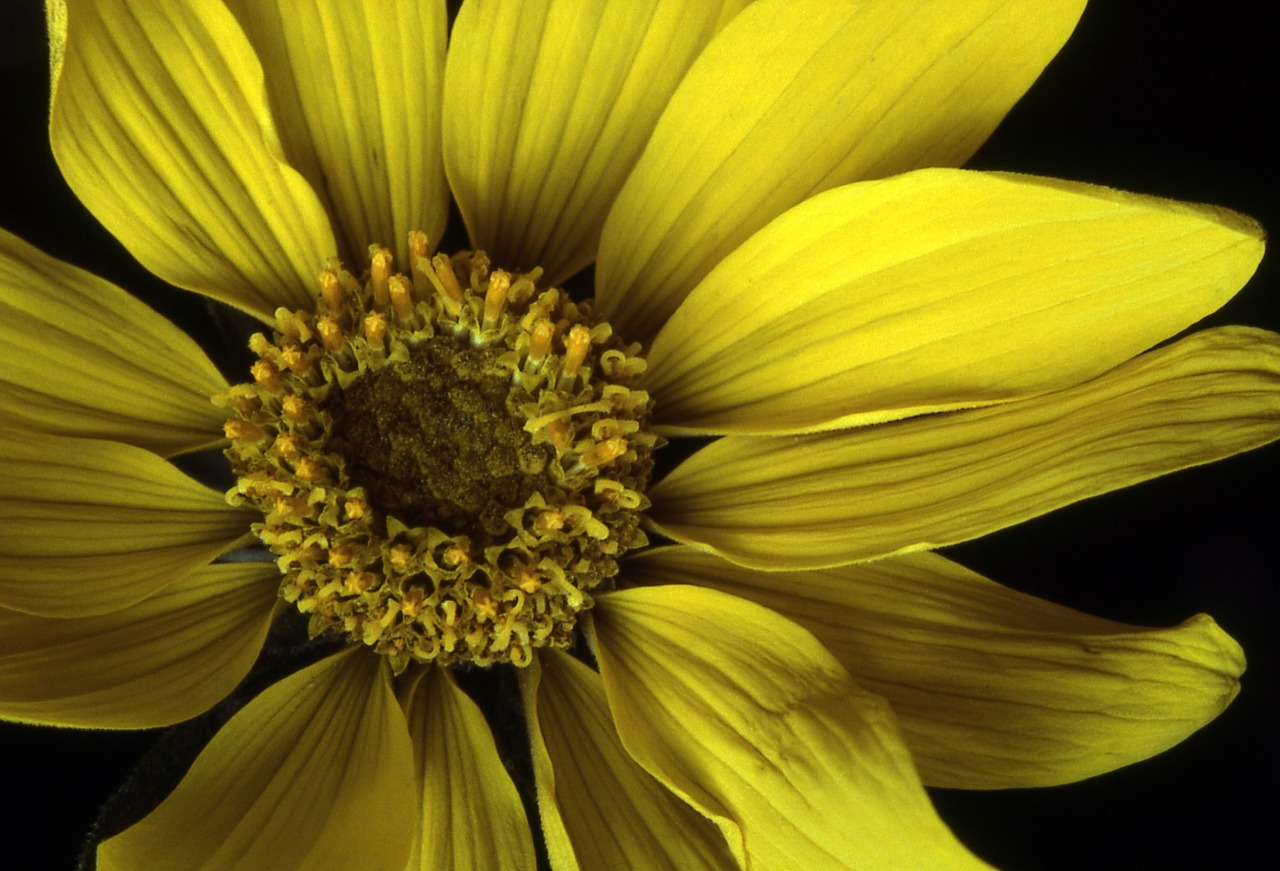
458	481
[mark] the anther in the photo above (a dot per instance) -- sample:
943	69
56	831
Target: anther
446	284
539	346
527	579
485	607
411	605
285	446
331	293
399	556
549	521
380	263
330	333
265	375
294	407
401	297
374	327
419	266
293	358
310	471
243	430
358	582
290	506
605	452
495	298
455	555
558	432
576	345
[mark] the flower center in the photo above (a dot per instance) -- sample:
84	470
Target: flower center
447	462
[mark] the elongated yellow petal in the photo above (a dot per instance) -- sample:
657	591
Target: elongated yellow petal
355	88
613	810
752	721
88	527
992	688
472	819
160	124
799	96
163	660
936	290
83	357
836	498
315	773
547	107
561	851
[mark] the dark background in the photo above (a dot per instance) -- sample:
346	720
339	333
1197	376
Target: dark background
1178	105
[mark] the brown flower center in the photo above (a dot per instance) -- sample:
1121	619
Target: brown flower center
447	462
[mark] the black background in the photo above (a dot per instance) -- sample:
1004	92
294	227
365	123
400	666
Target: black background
1181	105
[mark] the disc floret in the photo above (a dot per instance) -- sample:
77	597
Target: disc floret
448	462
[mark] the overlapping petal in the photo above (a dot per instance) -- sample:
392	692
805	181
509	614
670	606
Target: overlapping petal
547	106
85	358
166	659
936	290
314	773
836	498
160	124
799	96
88	526
746	716
471	814
992	688
613	811
355	90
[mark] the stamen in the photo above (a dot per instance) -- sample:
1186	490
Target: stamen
604	453
265	375
419	266
446	284
539	346
294	408
496	298
242	430
331	293
375	328
380	273
286	446
293	358
330	333
401	293
576	346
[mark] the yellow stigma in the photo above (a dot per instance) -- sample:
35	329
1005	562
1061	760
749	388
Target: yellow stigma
447	461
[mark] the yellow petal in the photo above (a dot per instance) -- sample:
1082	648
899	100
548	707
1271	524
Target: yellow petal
612	809
836	498
547	107
472	819
936	290
799	96
160	124
83	357
355	89
992	688
315	773
753	722
163	660
88	527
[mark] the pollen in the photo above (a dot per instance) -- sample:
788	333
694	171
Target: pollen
449	460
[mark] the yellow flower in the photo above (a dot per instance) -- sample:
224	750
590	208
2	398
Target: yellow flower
887	366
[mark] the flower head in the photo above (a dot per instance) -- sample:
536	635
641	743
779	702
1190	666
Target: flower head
449	469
